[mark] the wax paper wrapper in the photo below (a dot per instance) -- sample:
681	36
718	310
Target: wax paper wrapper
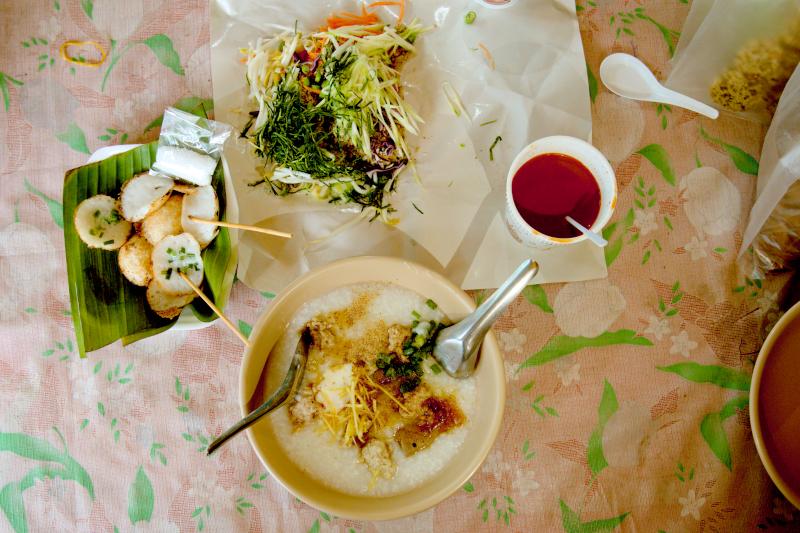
532	83
774	226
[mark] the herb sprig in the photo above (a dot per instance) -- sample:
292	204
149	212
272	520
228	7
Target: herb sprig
416	349
331	119
297	136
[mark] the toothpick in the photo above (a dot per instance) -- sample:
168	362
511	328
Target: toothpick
214	308
241	226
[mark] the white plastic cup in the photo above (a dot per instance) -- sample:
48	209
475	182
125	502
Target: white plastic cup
591	158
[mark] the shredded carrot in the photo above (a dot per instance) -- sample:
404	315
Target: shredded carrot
85	63
313	90
365	18
399	3
487	55
338	20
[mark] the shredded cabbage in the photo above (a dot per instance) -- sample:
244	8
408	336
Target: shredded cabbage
352	110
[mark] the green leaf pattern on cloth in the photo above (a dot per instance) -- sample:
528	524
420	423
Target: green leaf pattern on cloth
562	345
573	524
75	138
711	426
88	7
54	206
720	376
535	295
741	159
592	83
65	467
162	47
657	155
140	498
608	406
5	80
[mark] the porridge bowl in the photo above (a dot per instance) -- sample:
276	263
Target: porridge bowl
376	430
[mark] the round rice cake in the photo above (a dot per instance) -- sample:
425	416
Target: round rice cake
201	203
143	194
99	224
166	304
134	260
174	255
164	221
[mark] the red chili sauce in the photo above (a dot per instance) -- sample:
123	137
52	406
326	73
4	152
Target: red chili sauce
549	187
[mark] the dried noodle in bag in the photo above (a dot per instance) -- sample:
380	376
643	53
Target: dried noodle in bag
774	225
737	55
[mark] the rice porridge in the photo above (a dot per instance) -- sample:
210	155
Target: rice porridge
375	415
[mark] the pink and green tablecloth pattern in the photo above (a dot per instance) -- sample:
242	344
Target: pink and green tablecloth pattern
627	397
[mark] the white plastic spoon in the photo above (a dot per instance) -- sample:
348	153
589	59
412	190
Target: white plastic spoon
596	239
626	76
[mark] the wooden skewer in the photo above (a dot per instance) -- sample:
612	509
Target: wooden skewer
214	308
241	226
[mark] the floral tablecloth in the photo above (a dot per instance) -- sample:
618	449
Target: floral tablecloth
618	416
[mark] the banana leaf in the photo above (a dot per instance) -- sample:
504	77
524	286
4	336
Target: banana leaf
105	306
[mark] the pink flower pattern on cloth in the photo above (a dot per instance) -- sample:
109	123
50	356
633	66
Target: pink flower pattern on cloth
602	432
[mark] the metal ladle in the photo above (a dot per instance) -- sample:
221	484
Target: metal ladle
293	379
457	346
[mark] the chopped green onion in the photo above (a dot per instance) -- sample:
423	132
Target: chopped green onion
436	369
491	148
430	303
456	105
470	17
419	341
106	243
416	315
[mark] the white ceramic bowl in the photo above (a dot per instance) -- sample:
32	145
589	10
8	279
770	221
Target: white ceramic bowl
784	337
489	376
591	158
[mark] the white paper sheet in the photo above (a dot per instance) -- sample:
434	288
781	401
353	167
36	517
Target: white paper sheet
537	88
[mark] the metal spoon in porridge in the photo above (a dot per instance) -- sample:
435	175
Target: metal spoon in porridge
291	382
456	348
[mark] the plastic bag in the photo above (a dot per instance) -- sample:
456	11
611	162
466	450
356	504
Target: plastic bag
736	55
189	147
774	226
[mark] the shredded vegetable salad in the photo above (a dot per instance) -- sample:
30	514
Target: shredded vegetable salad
331	118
